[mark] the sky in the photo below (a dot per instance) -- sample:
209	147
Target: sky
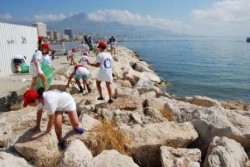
194	17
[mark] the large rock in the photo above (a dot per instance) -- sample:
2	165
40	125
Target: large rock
7	159
77	155
5	133
125	92
43	150
202	101
218	122
88	122
126	103
145	142
224	152
181	157
112	158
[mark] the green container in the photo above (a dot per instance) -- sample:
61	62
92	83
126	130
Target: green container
48	72
24	68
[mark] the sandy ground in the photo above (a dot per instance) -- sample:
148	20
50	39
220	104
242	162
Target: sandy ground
17	81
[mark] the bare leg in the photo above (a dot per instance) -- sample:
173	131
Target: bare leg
108	85
73	119
44	80
58	125
99	88
34	82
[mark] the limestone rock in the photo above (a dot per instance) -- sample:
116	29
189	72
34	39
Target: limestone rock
202	101
42	150
7	159
77	155
112	158
127	103
124	92
145	141
225	152
180	157
126	83
88	122
5	133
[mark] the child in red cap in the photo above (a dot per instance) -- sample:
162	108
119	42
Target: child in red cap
55	103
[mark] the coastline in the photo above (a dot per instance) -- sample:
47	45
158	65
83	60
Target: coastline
149	118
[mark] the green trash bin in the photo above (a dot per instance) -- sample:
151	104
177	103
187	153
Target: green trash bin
48	72
24	68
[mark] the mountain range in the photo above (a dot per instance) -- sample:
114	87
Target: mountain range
81	23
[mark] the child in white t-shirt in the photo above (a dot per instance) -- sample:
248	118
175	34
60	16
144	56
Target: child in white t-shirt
35	66
104	62
55	103
84	59
70	56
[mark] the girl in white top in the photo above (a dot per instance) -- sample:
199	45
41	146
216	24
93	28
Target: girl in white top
35	66
84	59
55	103
104	62
70	56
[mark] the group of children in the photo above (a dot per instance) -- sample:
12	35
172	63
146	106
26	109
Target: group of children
54	102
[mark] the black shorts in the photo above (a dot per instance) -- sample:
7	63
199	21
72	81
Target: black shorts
18	61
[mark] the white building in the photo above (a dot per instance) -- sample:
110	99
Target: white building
41	28
15	39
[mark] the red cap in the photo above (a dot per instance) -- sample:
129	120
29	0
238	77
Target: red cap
45	46
40	38
29	96
102	45
73	49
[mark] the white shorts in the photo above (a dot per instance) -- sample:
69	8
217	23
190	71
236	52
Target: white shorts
33	72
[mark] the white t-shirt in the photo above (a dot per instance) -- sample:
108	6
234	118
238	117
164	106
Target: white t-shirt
18	57
47	59
32	69
70	53
105	71
84	60
85	47
82	71
55	100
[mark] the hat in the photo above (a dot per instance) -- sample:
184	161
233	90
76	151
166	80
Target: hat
102	45
29	96
40	38
73	49
45	46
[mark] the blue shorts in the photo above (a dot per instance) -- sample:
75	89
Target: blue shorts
84	77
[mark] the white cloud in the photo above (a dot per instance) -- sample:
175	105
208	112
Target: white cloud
50	17
225	11
5	16
126	17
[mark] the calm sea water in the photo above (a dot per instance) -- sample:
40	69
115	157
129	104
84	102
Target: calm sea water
217	68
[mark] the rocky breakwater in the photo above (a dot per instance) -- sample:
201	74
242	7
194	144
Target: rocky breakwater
144	126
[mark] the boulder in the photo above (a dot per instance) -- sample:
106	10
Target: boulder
202	101
7	159
152	76
225	152
124	92
145	142
5	133
180	157
77	154
41	149
88	122
211	122
126	103
126	83
112	158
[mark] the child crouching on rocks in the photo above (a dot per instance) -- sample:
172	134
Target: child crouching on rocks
80	72
55	103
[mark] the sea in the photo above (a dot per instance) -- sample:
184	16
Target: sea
214	67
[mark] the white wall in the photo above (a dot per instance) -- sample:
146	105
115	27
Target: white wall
15	39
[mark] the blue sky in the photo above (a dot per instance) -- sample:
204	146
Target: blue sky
196	17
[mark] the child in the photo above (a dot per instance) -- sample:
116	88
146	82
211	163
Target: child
55	103
70	56
84	59
18	60
35	66
80	72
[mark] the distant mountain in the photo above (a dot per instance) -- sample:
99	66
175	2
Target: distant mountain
80	23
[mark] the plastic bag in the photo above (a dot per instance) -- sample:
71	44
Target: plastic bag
48	72
24	68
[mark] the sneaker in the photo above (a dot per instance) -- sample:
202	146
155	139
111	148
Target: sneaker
110	101
62	144
79	130
100	98
81	91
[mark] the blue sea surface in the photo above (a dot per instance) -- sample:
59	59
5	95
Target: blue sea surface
217	68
